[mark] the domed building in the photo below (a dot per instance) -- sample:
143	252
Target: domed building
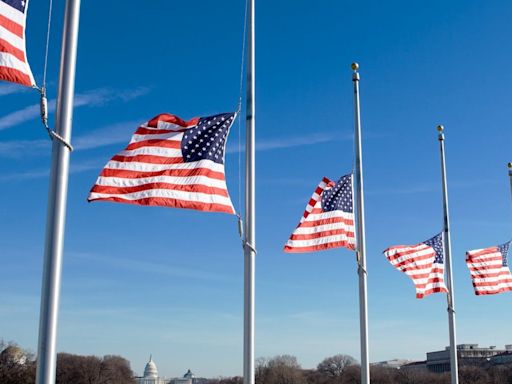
151	376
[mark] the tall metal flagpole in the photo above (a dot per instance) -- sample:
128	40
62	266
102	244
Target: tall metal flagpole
448	262
361	244
250	206
57	196
510	175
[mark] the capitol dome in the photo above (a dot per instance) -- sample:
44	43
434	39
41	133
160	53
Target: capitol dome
151	371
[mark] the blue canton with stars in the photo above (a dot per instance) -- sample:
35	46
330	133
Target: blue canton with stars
437	243
339	197
18	4
206	141
504	252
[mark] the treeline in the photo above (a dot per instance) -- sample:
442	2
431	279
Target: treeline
343	369
18	366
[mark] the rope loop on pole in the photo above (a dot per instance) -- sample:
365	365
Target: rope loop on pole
245	243
43	105
43	101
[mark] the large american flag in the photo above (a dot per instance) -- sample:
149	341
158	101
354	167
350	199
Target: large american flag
13	57
489	269
423	263
173	163
328	221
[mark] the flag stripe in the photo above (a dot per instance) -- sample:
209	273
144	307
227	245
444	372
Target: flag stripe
171	203
176	180
104	189
14	75
7	47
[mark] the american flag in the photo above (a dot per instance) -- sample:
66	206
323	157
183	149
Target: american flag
13	57
172	163
423	263
489	269
328	221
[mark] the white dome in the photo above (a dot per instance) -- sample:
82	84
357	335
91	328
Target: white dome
151	371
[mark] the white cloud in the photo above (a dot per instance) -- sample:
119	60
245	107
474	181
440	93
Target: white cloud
289	142
8	89
111	134
95	97
39	173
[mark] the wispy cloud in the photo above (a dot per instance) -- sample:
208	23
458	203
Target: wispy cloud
39	173
144	266
430	187
289	142
22	148
110	134
118	133
405	190
96	97
9	89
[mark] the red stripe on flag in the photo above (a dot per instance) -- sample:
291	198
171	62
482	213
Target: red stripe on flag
331	220
152	131
172	203
322	234
15	76
155	143
11	26
7	47
320	247
128	174
430	291
168	118
195	188
148	159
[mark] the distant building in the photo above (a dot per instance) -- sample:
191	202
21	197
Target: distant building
395	363
151	376
502	358
467	354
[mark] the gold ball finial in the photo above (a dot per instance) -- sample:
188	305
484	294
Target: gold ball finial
440	128
510	165
355	66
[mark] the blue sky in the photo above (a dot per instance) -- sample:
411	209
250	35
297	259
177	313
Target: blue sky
141	280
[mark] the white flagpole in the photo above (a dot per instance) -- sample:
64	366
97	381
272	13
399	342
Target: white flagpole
361	244
57	197
250	205
448	261
510	175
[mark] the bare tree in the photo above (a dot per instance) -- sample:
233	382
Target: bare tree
283	369
334	366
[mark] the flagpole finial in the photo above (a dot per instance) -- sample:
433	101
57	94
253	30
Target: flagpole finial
440	128
355	66
509	165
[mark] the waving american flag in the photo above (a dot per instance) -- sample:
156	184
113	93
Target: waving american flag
13	57
489	269
423	263
172	163
328	221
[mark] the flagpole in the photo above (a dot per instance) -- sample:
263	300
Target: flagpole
361	245
510	175
250	205
57	196
447	251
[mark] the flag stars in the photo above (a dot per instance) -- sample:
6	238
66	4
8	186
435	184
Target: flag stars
207	139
